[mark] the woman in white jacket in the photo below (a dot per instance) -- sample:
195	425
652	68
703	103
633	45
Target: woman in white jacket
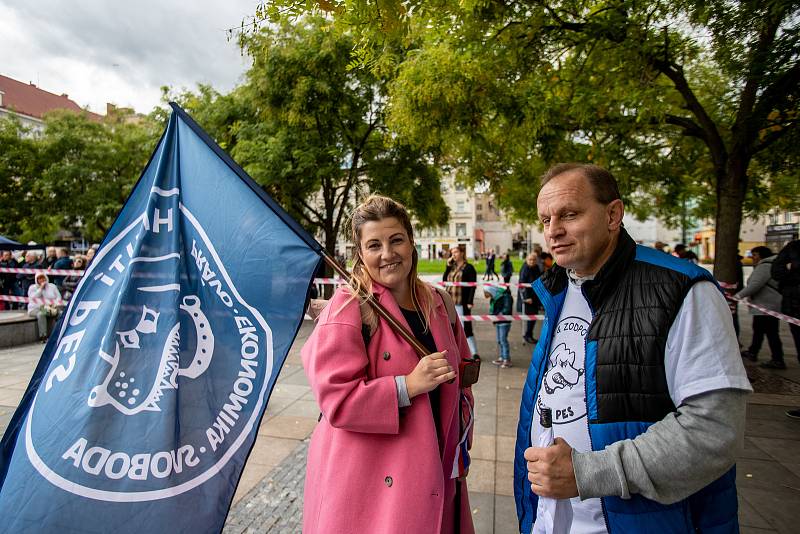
43	289
761	289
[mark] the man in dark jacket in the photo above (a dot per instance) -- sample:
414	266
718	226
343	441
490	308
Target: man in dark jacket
24	281
527	301
64	262
7	279
786	271
638	361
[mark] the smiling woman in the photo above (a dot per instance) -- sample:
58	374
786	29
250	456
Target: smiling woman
390	434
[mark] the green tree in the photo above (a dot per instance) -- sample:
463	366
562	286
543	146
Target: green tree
19	167
311	131
88	168
677	98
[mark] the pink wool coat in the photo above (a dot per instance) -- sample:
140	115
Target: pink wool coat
373	467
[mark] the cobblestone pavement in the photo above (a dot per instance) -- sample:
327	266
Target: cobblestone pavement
276	503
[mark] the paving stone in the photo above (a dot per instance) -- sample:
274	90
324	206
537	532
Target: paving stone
290	391
298	378
485	425
504	478
769	411
788	429
779	509
766	475
507	426
749	516
270	451
482	505
483	447
505	515
505	448
751	450
481	476
302	408
782	450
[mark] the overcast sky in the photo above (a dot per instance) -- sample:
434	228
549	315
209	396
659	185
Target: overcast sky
100	51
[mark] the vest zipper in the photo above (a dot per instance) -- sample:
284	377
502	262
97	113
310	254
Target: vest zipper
538	382
586	397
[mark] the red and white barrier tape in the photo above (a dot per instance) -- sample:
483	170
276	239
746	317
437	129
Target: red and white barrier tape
11	298
489	318
476	284
333	281
493	318
762	309
336	281
57	272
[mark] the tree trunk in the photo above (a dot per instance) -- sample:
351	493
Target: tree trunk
730	199
330	246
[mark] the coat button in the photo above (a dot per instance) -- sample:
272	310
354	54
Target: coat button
388	481
386	355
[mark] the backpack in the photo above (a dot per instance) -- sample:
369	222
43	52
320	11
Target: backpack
502	303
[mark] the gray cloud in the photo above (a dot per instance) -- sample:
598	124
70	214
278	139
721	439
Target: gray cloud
138	46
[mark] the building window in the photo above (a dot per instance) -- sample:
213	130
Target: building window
479	207
479	217
461	229
773	218
459	206
787	216
459	186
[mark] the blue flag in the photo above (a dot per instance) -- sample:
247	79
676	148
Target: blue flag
148	397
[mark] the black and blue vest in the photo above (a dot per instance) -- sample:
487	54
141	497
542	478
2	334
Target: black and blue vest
634	299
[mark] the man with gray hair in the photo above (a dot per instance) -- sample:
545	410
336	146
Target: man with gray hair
638	361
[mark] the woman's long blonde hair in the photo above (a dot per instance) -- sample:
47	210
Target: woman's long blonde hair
377	208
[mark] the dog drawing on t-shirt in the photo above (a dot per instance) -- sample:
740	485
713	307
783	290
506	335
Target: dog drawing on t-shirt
561	372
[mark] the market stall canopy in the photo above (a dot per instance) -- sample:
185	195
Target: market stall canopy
10	244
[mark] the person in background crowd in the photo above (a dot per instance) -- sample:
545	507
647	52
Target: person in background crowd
786	271
527	301
384	456
63	262
691	256
637	361
658	245
501	303
547	261
7	280
460	270
90	253
506	269
761	289
50	258
70	283
490	273
24	281
739	287
43	289
679	251
537	250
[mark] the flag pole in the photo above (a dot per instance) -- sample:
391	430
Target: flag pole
379	309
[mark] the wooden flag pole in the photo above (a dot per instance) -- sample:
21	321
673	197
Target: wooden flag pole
379	309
